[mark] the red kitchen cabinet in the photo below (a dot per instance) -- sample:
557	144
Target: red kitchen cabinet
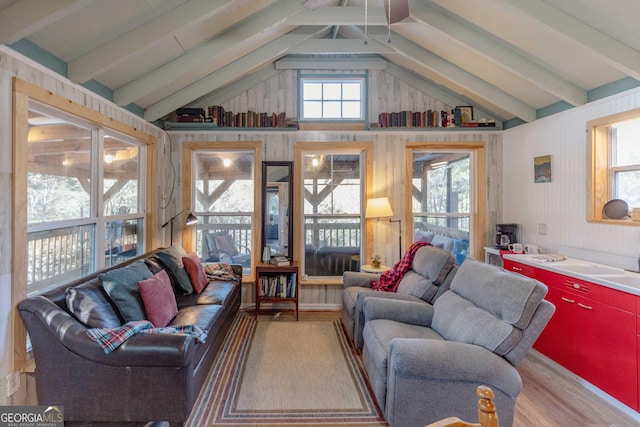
516	267
638	341
593	334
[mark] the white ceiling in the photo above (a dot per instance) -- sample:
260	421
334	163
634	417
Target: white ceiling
508	58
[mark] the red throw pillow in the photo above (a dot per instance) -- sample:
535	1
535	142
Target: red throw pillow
195	271
158	298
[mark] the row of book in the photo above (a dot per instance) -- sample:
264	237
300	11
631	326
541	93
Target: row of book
249	119
278	286
428	119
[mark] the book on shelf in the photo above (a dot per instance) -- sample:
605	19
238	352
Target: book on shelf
280	260
278	286
248	119
450	118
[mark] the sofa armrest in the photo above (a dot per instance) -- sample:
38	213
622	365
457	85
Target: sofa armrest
356	278
358	315
51	327
416	313
452	361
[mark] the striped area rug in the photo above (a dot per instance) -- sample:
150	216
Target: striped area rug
282	373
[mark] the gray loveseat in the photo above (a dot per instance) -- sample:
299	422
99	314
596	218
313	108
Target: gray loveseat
425	362
430	276
151	377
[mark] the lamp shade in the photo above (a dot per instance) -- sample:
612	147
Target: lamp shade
191	219
378	208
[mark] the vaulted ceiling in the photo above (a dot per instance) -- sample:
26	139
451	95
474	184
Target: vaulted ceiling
514	60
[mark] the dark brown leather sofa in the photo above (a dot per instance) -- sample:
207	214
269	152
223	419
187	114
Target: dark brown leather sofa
151	377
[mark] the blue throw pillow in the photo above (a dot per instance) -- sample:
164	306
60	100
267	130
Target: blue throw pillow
460	250
121	285
171	258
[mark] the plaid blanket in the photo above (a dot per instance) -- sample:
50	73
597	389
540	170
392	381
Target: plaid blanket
110	339
218	271
390	279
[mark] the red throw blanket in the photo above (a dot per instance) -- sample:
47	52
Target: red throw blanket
390	279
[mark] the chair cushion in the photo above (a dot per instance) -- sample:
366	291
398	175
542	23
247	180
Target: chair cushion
424	236
414	284
225	244
159	299
91	305
121	285
510	297
171	258
457	319
443	242
433	263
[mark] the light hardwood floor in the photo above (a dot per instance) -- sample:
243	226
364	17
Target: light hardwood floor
551	396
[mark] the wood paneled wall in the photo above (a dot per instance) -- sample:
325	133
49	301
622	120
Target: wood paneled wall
13	65
278	94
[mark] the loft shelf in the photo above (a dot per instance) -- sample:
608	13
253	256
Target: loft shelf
211	126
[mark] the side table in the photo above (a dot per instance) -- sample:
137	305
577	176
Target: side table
368	268
277	284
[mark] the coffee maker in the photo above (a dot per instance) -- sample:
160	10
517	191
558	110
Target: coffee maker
505	235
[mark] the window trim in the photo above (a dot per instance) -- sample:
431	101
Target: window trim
362	77
23	93
302	148
188	148
478	209
599	185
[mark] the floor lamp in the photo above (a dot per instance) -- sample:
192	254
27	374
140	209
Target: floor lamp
189	220
381	208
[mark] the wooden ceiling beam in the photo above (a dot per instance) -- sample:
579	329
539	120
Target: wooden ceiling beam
200	61
119	51
26	17
451	72
616	54
503	57
243	66
339	15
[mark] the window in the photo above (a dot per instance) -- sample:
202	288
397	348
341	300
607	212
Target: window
332	98
446	200
78	223
60	229
625	161
223	198
614	162
333	189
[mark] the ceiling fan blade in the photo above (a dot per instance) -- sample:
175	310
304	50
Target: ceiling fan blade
399	10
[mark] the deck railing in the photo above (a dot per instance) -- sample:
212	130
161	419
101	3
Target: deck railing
58	256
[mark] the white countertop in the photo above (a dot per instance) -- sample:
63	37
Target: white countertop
605	275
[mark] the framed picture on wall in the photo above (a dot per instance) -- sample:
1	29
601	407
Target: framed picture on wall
542	169
466	113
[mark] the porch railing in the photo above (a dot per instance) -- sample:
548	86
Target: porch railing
58	256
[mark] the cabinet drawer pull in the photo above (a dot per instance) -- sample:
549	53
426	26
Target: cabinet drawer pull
568	300
588	307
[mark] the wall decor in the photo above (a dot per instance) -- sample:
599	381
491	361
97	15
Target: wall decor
466	113
542	169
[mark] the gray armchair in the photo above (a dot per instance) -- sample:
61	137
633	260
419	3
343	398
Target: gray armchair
425	362
430	276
